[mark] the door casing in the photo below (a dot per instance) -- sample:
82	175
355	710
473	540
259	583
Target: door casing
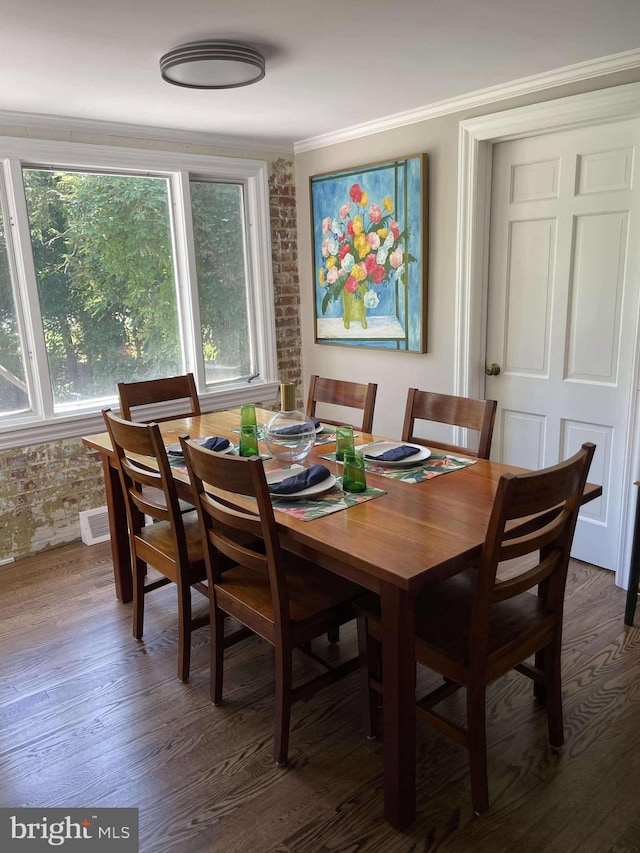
476	139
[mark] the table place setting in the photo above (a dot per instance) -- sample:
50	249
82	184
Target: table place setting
394	455
216	443
293	424
411	463
304	482
324	434
314	492
298	428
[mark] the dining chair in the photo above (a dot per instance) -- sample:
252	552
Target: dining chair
136	394
352	395
283	598
464	412
478	625
169	388
340	392
172	544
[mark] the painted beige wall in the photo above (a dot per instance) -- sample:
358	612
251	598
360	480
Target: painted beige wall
394	371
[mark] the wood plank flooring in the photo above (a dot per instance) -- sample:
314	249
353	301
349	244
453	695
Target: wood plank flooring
91	717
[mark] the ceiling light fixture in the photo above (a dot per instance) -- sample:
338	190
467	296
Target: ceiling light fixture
212	65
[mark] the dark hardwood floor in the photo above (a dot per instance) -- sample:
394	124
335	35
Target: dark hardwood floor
91	717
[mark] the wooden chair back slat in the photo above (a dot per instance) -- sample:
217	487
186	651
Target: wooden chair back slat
340	392
135	394
130	440
478	415
517	497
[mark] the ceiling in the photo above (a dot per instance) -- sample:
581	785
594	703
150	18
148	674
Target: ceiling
330	64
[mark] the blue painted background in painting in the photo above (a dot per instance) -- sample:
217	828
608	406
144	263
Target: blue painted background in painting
400	298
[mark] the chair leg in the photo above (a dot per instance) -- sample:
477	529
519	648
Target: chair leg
631	604
371	656
477	744
553	688
184	631
217	653
139	570
539	689
284	678
333	634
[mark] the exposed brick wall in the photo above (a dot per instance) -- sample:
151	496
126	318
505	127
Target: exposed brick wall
44	487
285	273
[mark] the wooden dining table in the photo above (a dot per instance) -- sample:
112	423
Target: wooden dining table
395	545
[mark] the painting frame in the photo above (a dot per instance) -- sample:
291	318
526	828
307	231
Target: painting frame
369	237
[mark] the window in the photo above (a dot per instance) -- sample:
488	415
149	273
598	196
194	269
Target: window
14	398
104	268
123	265
219	239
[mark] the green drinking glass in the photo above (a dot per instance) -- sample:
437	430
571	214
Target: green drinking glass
249	440
248	414
344	441
354	478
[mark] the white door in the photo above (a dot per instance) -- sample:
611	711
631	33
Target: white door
563	309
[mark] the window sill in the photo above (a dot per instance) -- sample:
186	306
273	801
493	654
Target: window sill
73	426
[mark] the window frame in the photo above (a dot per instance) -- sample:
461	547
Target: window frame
179	168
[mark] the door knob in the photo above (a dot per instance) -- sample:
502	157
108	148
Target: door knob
492	369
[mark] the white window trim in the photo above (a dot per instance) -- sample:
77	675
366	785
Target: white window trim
176	166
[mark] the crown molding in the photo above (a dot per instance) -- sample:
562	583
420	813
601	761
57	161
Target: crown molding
524	86
73	124
527	85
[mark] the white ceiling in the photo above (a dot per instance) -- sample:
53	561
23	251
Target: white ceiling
331	64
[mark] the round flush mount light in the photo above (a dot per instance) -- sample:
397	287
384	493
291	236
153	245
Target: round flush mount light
212	65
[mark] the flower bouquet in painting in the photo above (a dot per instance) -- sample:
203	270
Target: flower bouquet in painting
369	238
363	251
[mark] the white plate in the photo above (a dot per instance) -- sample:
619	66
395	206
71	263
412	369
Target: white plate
382	447
231	449
282	474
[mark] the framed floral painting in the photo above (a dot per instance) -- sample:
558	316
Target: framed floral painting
370	255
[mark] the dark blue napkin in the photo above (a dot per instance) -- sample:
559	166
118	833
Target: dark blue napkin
296	429
215	442
302	480
396	454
